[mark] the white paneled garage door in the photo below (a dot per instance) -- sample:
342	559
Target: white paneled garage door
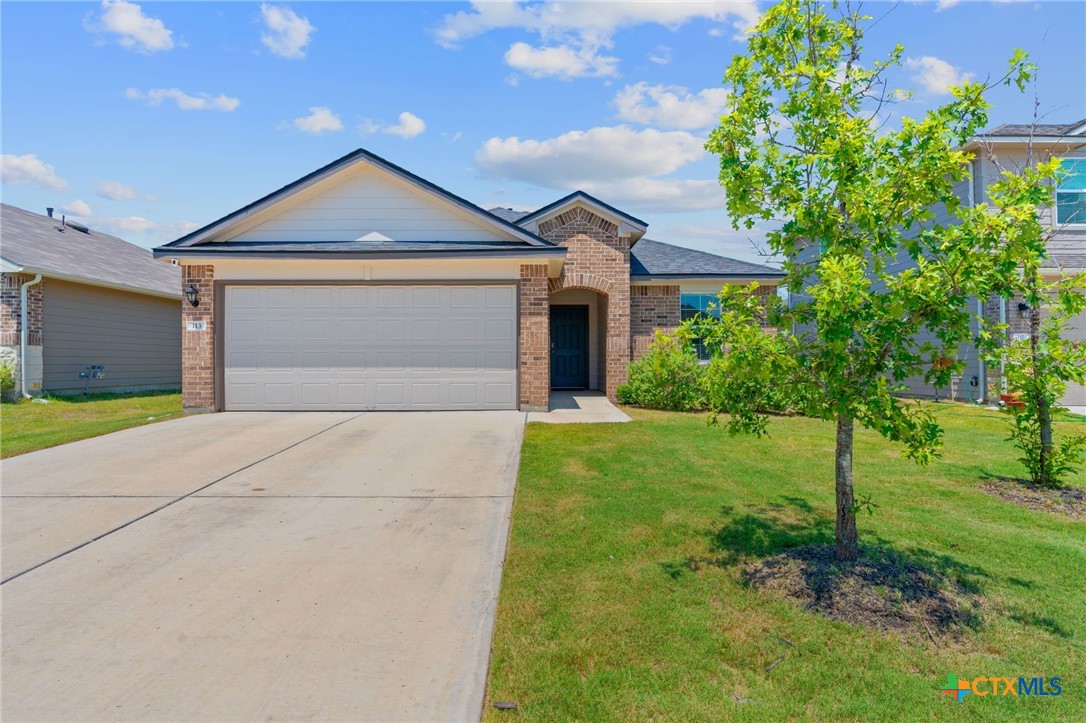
370	347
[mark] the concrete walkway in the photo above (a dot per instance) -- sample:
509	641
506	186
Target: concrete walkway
258	566
579	408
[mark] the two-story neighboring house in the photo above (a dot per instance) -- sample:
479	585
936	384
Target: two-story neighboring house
1066	221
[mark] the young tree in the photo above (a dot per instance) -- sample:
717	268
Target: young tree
799	145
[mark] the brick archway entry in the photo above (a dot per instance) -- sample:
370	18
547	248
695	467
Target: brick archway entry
611	325
594	302
598	260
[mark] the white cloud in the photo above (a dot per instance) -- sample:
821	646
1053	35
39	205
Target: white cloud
121	225
599	154
935	74
560	61
410	125
940	5
670	106
138	228
117	191
28	168
660	56
77	208
287	33
133	29
184	101
659	195
574	33
618	164
320	120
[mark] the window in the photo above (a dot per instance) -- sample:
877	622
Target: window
694	305
1071	193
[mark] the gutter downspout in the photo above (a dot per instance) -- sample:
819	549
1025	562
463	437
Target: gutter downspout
24	337
1002	363
982	393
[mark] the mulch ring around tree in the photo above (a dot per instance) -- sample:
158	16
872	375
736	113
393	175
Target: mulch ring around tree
1067	501
880	590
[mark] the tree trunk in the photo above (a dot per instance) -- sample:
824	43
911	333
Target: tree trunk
845	533
1040	396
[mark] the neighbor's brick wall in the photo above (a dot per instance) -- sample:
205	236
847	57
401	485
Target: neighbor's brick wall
652	308
10	309
598	259
535	335
198	347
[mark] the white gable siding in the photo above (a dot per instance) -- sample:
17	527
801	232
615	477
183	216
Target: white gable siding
366	201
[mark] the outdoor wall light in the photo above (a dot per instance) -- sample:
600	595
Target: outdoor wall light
1023	309
193	295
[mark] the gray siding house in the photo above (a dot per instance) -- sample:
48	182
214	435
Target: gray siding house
1066	224
83	309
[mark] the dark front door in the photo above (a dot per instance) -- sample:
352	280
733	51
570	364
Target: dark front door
569	347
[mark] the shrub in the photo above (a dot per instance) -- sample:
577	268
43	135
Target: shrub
668	377
7	377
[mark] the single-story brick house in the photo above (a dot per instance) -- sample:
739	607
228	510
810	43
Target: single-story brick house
363	286
92	300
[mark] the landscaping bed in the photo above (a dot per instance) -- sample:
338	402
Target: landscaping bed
1069	501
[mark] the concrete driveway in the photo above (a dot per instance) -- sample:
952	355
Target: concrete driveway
258	566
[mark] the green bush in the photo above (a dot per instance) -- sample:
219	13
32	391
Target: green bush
668	377
7	378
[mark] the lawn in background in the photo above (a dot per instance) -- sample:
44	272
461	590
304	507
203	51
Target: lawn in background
28	426
602	615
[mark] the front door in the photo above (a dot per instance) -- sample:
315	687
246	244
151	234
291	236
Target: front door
569	347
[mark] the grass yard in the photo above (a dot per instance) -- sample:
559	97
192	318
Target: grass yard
28	426
622	597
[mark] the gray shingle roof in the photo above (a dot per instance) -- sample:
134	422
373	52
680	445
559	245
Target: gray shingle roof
1046	129
507	214
37	243
655	258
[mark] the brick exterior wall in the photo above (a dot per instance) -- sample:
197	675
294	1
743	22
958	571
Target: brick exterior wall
597	259
652	308
535	335
198	347
11	309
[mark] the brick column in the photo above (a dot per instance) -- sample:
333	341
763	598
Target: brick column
535	339
11	309
198	347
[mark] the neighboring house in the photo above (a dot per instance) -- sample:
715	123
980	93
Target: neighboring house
362	286
1066	221
92	300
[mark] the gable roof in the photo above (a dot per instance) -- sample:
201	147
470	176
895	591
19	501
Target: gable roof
508	214
1078	128
359	155
581	195
33	243
657	260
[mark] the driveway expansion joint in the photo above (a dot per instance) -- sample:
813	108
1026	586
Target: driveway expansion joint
173	501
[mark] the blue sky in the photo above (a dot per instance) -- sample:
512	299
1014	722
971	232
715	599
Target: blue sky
149	119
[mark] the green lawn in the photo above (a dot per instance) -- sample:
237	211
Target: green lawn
29	426
602	618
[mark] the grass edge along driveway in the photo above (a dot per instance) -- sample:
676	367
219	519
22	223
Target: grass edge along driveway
28	426
602	616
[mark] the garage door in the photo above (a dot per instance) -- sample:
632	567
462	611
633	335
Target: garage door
407	347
